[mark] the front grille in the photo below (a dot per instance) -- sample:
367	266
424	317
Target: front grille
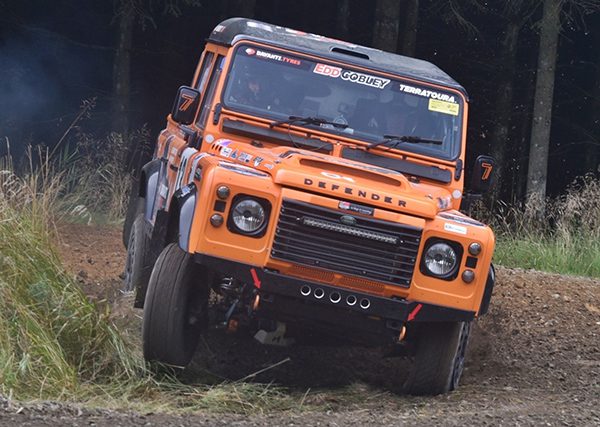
378	250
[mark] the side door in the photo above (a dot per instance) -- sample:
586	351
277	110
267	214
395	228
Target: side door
176	146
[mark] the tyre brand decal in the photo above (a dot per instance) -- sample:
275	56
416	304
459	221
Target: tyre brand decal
272	56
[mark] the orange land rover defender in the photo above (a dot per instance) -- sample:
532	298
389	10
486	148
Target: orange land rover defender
311	183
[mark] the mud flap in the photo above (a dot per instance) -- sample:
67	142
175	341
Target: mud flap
487	294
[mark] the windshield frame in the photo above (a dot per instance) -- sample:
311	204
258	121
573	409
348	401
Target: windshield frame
359	138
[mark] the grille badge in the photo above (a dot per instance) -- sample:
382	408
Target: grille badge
348	220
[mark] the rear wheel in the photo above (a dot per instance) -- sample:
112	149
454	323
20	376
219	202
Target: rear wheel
440	357
175	310
135	207
137	264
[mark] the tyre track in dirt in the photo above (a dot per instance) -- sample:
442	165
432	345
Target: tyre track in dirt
533	360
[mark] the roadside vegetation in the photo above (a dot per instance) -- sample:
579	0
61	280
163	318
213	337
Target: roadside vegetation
57	344
566	239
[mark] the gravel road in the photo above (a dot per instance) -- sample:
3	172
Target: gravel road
533	360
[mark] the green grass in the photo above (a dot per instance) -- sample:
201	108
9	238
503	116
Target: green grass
565	239
56	344
580	256
53	339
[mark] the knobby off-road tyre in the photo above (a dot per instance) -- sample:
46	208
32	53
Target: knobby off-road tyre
439	359
135	207
175	310
137	264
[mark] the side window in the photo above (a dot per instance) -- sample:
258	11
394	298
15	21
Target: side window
204	70
210	92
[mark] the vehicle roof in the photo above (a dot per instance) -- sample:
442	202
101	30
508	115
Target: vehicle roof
233	30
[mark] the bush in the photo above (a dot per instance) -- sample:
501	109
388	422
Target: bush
52	338
56	344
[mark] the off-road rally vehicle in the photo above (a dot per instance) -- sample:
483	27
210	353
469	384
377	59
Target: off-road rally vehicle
305	184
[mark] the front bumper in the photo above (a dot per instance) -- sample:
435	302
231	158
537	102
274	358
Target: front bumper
287	299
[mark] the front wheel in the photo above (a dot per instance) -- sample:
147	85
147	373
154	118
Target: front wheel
175	310
440	357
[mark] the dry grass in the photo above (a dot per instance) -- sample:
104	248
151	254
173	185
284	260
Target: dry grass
56	344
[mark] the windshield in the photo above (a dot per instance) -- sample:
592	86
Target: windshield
275	85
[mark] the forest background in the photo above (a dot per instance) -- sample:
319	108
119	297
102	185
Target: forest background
531	67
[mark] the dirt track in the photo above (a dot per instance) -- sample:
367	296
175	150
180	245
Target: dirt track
534	360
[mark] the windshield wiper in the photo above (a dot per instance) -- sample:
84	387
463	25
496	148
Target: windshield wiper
396	139
309	120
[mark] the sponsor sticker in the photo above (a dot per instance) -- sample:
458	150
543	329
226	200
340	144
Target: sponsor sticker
327	70
426	93
234	155
164	190
258	161
269	166
244	157
443	107
263	54
351	76
461	219
365	79
453	228
353	207
226	151
223	142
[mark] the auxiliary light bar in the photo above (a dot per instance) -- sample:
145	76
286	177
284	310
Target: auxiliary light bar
352	231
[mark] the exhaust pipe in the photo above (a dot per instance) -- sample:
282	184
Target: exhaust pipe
305	291
335	297
365	303
319	293
350	300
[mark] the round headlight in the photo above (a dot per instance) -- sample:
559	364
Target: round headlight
440	259
248	215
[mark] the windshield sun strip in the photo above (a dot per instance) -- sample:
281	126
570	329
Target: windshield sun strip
450	153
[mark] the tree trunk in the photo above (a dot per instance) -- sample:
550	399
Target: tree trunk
409	34
504	107
385	32
342	19
593	147
542	108
122	68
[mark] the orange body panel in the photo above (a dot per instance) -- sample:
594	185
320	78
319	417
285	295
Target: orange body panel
322	180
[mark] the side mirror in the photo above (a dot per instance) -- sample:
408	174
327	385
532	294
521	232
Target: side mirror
482	174
185	105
